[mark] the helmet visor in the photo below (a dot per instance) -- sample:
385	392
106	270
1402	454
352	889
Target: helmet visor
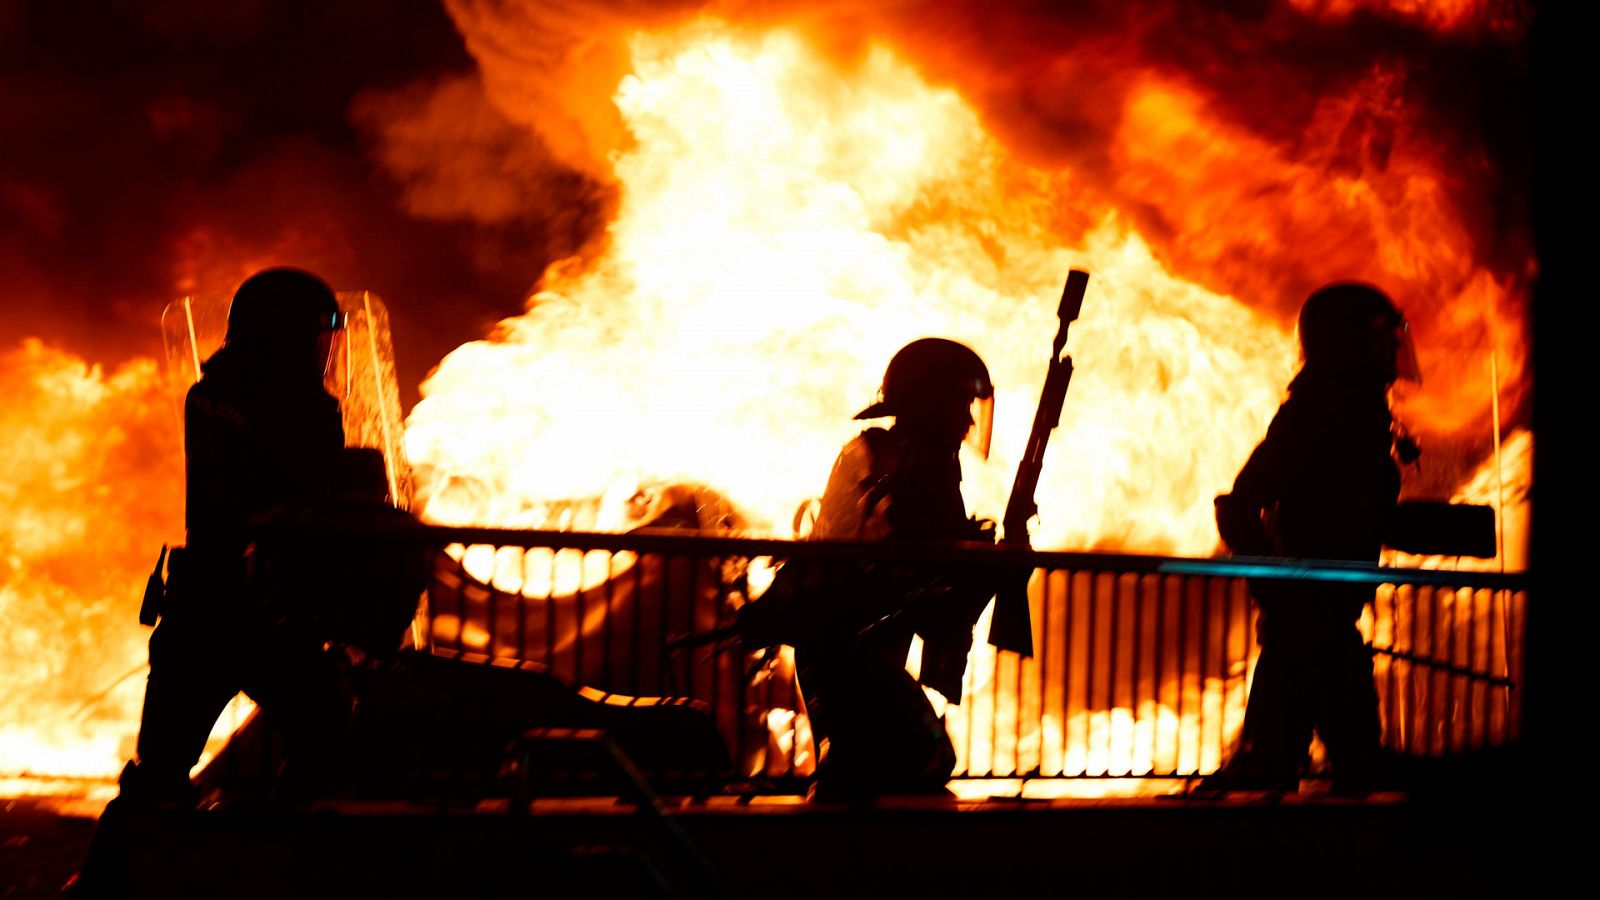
333	349
982	429
1405	356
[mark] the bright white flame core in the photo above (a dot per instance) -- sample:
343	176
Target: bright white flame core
784	228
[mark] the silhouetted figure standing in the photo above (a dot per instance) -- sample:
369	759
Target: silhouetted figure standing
261	434
902	483
1323	484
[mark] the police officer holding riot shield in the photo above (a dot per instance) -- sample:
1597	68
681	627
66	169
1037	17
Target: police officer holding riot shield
261	434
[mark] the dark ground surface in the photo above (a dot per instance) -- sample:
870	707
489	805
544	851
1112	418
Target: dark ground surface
41	843
1244	845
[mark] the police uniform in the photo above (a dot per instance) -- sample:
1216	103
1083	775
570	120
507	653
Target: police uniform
883	734
1326	479
254	442
1322	484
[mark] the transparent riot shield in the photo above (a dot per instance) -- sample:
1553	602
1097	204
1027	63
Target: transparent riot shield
360	375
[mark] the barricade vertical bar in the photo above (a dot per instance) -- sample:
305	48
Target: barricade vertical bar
550	623
1391	671
678	567
578	603
994	712
1412	698
1224	664
471	598
637	617
1497	711
1251	652
1462	680
460	592
1503	622
605	622
691	616
666	675
1204	638
490	610
1113	638
1164	583
1091	663
1046	645
742	661
1511	638
1225	667
1140	585
800	705
1016	716
466	610
1183	665
1068	596
1435	694
1481	689
972	728
1421	673
718	658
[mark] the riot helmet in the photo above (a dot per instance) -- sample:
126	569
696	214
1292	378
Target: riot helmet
287	314
934	382
1354	328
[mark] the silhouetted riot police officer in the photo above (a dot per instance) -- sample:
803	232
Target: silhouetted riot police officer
261	434
1322	484
852	633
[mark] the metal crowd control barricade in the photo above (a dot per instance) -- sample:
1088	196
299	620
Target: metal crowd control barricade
1141	665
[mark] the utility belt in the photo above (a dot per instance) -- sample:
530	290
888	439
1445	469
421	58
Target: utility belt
182	575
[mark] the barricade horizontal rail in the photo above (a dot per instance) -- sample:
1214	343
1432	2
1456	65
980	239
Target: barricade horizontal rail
1141	667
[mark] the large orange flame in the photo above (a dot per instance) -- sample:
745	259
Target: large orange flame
784	227
90	486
